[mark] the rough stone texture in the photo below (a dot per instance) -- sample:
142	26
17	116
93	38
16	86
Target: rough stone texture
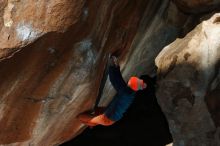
24	21
188	71
52	56
197	6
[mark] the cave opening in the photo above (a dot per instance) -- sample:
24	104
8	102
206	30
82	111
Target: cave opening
143	124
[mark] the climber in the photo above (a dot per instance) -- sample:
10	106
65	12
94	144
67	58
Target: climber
120	102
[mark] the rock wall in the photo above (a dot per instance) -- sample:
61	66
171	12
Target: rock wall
188	92
197	6
53	52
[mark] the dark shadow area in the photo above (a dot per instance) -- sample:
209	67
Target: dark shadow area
143	124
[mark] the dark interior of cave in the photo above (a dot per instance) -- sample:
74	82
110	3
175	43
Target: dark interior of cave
143	124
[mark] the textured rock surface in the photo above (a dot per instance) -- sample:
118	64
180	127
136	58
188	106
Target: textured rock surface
189	83
52	56
24	21
197	6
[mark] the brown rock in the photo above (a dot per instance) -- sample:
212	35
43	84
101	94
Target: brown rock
52	56
25	21
197	6
56	73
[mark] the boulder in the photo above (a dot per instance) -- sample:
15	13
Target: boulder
188	72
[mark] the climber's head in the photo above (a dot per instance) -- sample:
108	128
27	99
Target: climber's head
136	84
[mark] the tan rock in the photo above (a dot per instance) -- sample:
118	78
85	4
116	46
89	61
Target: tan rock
186	69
